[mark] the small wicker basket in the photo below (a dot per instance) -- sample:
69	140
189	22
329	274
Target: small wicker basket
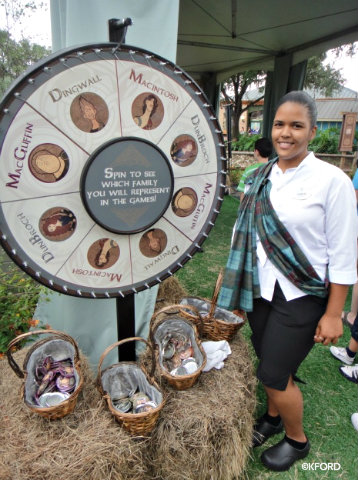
120	377
217	323
59	345
177	318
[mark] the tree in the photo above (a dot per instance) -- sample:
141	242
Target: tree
14	11
322	77
15	57
233	91
318	77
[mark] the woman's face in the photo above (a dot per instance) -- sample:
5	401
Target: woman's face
52	227
154	242
291	133
188	147
185	202
102	259
88	110
149	104
48	163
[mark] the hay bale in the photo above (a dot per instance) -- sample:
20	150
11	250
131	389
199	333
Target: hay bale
170	292
87	443
205	432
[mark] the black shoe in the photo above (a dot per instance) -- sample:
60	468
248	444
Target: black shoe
282	456
264	430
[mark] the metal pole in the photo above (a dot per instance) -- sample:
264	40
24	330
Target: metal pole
228	130
124	306
126	326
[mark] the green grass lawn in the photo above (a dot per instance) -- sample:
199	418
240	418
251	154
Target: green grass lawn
329	398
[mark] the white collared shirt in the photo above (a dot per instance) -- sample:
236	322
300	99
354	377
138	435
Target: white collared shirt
316	203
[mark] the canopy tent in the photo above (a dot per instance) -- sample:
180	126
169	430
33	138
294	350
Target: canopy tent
226	37
219	39
215	39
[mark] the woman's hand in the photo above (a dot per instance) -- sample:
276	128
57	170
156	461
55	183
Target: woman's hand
329	329
330	326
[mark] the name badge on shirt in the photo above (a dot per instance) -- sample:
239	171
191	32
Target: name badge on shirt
301	194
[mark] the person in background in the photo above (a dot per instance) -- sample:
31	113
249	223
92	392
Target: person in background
292	260
262	152
348	317
347	354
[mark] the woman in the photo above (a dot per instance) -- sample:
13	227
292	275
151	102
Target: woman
184	152
150	105
153	242
107	247
184	202
47	166
290	266
89	112
59	222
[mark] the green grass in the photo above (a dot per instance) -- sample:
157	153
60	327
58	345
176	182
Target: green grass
329	398
199	275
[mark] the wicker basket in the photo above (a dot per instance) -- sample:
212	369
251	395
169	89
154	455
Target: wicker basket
217	323
177	318
59	346
118	378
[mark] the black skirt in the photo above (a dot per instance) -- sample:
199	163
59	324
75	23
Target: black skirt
282	335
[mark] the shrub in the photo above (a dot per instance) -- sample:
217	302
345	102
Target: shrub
235	175
245	142
18	298
326	141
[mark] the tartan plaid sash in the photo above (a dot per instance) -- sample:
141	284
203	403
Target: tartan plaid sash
257	215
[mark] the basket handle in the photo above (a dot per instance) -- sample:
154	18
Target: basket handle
19	338
117	344
217	287
182	310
